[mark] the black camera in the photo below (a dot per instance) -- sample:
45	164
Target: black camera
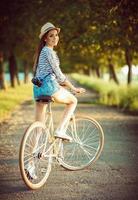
36	81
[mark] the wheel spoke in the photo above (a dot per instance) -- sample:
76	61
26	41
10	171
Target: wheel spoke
91	139
29	159
88	146
72	154
87	152
82	130
27	144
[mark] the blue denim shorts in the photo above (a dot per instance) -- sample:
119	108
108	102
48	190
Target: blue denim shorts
49	87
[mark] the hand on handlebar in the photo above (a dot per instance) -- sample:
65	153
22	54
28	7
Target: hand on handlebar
79	90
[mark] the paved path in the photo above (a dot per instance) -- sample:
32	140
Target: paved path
113	177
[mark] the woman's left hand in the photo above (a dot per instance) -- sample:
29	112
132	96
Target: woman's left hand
80	90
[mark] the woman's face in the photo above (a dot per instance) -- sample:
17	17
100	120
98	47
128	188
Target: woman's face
52	38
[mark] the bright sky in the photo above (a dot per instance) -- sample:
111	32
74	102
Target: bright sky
134	69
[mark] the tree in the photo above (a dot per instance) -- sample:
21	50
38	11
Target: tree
13	70
2	82
9	38
123	23
89	32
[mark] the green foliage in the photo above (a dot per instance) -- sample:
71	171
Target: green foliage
11	98
91	31
128	97
122	96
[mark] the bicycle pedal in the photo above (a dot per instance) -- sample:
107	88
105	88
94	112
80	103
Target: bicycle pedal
66	141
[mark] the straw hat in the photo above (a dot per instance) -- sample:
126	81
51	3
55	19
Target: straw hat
47	27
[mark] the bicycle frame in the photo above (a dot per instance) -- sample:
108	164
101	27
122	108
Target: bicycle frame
56	144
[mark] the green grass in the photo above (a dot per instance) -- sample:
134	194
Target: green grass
122	96
12	97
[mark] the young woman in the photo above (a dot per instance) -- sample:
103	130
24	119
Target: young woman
48	82
47	68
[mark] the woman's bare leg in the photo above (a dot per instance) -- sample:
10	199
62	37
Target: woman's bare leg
65	97
40	112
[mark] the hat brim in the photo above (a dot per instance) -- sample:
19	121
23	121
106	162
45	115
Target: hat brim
52	28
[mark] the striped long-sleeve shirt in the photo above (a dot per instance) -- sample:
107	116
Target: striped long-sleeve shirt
49	63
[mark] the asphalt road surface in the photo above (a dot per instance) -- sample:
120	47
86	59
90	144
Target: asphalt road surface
113	177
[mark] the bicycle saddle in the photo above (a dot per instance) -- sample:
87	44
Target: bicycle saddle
44	99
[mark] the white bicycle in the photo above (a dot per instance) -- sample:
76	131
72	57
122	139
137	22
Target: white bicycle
40	146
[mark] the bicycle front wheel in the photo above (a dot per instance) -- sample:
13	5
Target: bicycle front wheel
33	145
87	144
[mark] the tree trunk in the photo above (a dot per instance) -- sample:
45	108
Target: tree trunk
97	72
26	72
112	72
13	70
17	77
2	81
129	63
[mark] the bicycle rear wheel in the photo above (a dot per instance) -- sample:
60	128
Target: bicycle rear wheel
87	144
34	143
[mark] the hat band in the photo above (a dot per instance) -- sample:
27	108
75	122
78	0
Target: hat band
48	29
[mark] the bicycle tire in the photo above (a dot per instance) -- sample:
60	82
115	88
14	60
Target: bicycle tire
27	149
85	149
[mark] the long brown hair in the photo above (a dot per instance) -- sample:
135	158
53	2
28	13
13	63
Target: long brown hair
38	50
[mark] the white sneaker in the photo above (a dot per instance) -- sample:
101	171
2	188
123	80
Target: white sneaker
61	135
30	170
